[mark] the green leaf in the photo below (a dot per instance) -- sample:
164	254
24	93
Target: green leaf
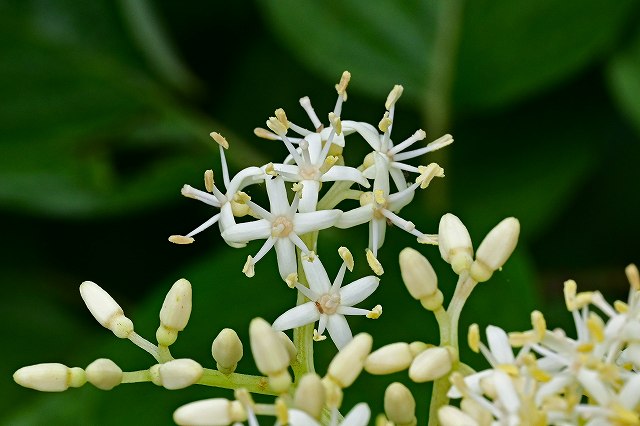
624	81
507	50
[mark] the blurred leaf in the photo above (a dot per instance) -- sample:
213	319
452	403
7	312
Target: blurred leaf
508	49
88	131
624	80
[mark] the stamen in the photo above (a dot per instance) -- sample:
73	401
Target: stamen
190	192
329	162
347	257
433	146
398	221
180	239
300	244
270	170
305	103
341	88
335	122
259	210
378	196
248	268
327	145
417	136
304	146
375	312
264	249
428	239
291	280
296	201
393	96
317	337
384	123
276	126
208	180
282	117
374	264
337	282
307	292
225	168
428	173
633	276
265	134
473	337
204	226
220	140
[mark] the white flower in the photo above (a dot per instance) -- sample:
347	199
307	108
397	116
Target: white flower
329	303
358	416
281	227
216	198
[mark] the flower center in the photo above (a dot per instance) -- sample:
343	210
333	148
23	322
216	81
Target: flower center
281	226
310	172
328	303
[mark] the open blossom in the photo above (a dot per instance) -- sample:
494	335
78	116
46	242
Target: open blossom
281	227
229	202
329	303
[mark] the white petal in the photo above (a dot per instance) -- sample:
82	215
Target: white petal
594	387
286	254
630	394
366	130
398	200
300	315
300	418
277	193
380	227
358	416
288	171
244	178
316	276
506	391
345	173
309	196
339	330
499	345
314	221
382	174
358	290
355	217
398	178
242	232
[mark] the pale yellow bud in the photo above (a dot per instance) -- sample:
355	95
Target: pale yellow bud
210	412
495	249
431	364
454	243
417	273
176	374
399	405
50	377
105	309
175	312
104	374
227	350
389	359
270	355
310	395
452	416
348	363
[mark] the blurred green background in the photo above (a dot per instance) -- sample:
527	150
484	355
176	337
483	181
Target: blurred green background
105	113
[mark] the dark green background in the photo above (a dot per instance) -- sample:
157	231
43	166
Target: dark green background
105	113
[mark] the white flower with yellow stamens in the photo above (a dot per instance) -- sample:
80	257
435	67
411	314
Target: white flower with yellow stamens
230	203
329	303
282	227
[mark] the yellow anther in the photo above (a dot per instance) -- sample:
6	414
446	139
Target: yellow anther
596	326
585	347
270	170
248	268
518	339
297	187
264	134
583	299
539	324
510	369
374	264
375	312
291	280
328	163
633	276
427	173
570	288
428	239
180	239
341	87
317	336
220	140
241	197
384	123
620	307
473	337
276	126
346	257
309	257
244	397
378	196
335	122
208	180
393	96
282	117
282	413
366	198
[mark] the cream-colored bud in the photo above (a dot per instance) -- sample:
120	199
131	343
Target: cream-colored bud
288	345
210	412
454	243
399	405
430	365
268	351
418	347
105	310
310	395
227	350
417	273
175	312
389	359
495	249
333	392
433	302
50	377
104	374
176	374
452	416
348	363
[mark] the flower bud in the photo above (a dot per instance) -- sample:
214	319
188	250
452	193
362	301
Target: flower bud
389	359
310	395
227	350
288	345
176	374
430	365
175	312
399	405
418	274
454	243
104	374
105	309
495	249
210	412
452	416
50	377
348	363
270	354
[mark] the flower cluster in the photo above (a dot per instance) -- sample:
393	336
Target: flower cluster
554	379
